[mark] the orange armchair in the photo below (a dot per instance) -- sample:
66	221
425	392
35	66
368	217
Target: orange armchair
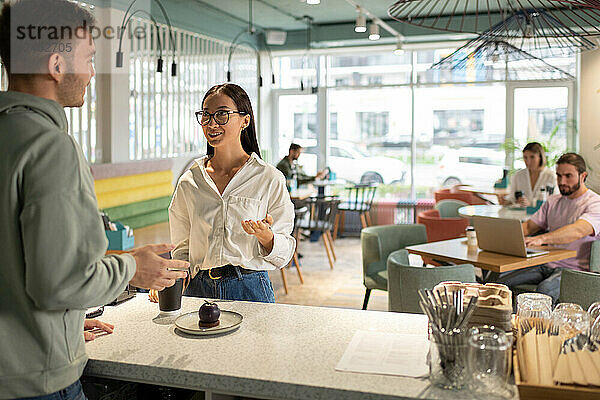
455	194
439	228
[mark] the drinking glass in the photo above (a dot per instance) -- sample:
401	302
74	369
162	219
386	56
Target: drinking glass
568	306
535	297
595	329
448	364
489	361
594	310
571	322
534	305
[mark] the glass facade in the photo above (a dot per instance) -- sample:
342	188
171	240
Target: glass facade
394	120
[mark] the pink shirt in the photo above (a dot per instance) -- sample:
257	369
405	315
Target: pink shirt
559	211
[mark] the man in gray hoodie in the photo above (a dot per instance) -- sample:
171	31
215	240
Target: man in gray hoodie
52	238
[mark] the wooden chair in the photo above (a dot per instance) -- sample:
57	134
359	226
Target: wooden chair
322	215
300	212
359	199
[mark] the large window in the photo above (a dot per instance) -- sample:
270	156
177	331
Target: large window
82	124
458	131
161	107
373	125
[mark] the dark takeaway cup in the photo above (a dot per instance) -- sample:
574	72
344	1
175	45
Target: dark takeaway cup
518	194
169	299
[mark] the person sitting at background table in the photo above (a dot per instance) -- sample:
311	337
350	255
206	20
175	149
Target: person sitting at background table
572	219
288	166
529	181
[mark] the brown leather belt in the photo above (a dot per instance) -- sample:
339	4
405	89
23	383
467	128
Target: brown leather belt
227	271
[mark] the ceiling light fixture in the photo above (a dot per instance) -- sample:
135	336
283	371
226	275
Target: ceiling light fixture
361	23
374	31
399	47
313	2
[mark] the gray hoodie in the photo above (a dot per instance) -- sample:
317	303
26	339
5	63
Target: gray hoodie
52	245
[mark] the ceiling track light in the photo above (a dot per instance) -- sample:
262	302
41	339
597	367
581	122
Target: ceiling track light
361	23
313	2
127	19
399	50
374	31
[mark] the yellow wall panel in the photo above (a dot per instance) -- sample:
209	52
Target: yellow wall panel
121	197
103	186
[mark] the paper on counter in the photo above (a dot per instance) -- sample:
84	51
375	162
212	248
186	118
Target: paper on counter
371	352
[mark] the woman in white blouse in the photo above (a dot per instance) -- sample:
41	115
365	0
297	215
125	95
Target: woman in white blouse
231	215
529	181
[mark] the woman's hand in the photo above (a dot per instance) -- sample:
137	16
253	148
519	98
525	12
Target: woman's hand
153	295
523	201
93	327
262	231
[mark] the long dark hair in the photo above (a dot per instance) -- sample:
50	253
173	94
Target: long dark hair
242	102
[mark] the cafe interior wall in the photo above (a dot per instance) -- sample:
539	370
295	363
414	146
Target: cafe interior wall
192	16
589	115
113	88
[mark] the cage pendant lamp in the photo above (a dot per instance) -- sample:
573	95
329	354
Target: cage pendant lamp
547	18
581	3
497	59
530	34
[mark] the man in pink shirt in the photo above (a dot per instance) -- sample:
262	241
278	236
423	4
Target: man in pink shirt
572	221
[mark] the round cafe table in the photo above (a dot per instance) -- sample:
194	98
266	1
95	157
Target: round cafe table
494	211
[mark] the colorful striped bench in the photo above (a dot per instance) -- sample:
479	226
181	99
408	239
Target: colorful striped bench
137	193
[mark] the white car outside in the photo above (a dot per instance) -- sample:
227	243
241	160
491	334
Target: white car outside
473	166
351	164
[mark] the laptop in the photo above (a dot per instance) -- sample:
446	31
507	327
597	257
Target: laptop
502	235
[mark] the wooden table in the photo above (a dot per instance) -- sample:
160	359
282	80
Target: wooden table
482	190
456	251
495	211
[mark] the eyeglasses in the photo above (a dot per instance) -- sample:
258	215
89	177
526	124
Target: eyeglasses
221	116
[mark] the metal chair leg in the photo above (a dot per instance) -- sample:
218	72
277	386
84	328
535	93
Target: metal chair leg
366	301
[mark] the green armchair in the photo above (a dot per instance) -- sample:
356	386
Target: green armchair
594	267
580	287
449	208
377	242
405	280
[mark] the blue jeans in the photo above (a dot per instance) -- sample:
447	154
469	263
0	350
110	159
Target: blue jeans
255	286
546	278
72	392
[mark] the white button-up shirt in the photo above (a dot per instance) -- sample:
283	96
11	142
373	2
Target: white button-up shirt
206	227
521	181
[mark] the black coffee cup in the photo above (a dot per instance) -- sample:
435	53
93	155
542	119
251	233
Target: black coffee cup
518	194
169	299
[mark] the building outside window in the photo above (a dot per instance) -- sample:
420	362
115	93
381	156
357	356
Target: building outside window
458	131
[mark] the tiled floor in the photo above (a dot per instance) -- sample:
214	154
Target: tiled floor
340	287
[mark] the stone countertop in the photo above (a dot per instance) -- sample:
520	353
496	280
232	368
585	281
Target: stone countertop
279	352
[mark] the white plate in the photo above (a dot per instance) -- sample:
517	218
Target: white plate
188	323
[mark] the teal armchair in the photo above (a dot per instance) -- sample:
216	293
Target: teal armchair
377	242
404	280
580	287
449	208
594	267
